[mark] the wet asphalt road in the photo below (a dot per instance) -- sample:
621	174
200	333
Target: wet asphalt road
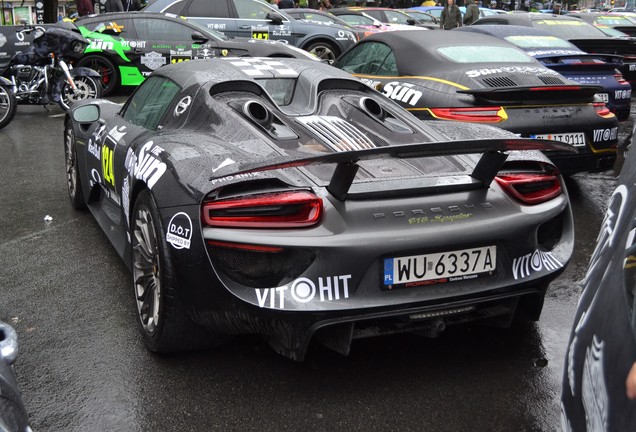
82	365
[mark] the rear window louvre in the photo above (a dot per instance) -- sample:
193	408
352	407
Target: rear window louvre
499	82
551	80
337	133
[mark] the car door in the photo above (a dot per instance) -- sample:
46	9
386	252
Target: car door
106	151
121	150
216	15
252	21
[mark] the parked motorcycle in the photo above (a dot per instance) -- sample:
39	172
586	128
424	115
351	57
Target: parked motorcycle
44	74
8	102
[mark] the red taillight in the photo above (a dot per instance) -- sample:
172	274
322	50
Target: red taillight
555	88
493	114
619	77
530	188
602	109
293	209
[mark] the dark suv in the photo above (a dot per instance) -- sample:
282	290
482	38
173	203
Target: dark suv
259	20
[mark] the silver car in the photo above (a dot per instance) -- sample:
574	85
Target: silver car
259	20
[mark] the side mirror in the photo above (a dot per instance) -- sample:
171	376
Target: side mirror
86	113
198	37
411	21
275	17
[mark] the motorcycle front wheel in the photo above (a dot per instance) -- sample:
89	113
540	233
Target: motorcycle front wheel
8	105
87	88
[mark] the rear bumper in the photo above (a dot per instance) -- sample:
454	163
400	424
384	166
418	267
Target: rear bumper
587	162
290	333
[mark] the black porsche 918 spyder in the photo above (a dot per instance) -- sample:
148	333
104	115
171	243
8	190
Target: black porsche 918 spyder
286	198
481	79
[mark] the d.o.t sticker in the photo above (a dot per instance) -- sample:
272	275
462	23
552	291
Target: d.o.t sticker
179	231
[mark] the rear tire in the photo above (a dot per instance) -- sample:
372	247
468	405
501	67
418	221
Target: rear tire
73	181
109	75
87	88
164	325
8	106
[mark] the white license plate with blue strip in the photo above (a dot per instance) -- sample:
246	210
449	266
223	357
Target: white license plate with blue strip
458	263
575	139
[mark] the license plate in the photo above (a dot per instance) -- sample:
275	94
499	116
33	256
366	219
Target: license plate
601	97
460	264
576	139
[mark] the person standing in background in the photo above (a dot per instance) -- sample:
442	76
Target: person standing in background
451	16
132	5
85	7
472	12
325	4
113	6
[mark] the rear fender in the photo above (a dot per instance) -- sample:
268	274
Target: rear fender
5	82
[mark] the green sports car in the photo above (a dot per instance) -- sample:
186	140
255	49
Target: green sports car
127	47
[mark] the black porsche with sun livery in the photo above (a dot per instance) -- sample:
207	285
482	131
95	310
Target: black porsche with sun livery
480	79
127	47
285	198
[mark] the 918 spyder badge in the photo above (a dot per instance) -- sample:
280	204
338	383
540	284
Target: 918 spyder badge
179	231
304	290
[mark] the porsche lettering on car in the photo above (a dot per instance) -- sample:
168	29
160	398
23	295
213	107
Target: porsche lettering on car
285	198
481	79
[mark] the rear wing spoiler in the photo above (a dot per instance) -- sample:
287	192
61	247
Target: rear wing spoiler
624	47
589	61
490	163
629	30
567	93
